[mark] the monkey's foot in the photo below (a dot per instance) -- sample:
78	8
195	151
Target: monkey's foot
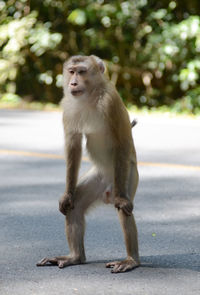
61	261
122	266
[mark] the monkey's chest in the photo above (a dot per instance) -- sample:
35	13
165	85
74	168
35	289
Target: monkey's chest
100	149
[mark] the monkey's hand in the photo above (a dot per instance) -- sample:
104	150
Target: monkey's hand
124	204
66	203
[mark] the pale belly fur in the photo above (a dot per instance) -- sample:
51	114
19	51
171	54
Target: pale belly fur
100	150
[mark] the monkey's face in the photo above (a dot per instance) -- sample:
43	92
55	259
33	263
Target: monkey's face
81	76
76	76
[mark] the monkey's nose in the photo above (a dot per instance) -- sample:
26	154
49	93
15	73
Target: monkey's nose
74	84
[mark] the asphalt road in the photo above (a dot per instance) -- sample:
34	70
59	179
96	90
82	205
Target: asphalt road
167	210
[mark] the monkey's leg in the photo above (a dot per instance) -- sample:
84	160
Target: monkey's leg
129	230
89	190
131	241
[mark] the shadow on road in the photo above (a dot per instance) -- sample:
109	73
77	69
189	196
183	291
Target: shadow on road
176	261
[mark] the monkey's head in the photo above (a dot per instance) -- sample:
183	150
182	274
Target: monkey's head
82	74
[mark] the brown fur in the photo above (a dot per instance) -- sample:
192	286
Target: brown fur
93	107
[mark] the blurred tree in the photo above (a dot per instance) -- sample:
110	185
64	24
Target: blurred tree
151	47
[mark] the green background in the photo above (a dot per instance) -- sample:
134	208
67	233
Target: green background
151	48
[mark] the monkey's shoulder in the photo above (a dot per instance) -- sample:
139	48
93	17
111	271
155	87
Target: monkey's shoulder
112	104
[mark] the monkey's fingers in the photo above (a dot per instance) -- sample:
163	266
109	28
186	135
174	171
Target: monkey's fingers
125	205
126	211
65	205
69	204
62	210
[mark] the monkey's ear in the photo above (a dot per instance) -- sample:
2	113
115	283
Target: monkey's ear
100	63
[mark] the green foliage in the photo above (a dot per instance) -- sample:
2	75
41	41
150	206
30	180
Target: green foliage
190	103
151	48
41	40
10	98
77	17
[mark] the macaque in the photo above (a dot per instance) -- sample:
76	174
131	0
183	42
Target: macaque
93	107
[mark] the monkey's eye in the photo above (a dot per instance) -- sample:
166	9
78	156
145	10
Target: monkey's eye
71	72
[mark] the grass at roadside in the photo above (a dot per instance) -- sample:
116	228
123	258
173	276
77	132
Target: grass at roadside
162	111
15	102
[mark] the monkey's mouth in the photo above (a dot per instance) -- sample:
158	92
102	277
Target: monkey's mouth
77	92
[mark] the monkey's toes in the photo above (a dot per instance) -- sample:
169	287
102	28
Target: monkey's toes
63	263
47	261
122	266
111	264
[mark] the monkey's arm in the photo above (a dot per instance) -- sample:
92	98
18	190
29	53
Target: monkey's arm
73	151
122	138
121	170
73	158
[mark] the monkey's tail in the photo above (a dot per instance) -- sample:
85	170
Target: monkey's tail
133	123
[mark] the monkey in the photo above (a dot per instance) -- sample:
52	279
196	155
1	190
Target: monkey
92	107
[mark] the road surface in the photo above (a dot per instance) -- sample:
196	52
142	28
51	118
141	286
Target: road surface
167	210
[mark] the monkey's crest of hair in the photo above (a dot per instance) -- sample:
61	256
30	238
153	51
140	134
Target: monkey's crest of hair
77	58
82	58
